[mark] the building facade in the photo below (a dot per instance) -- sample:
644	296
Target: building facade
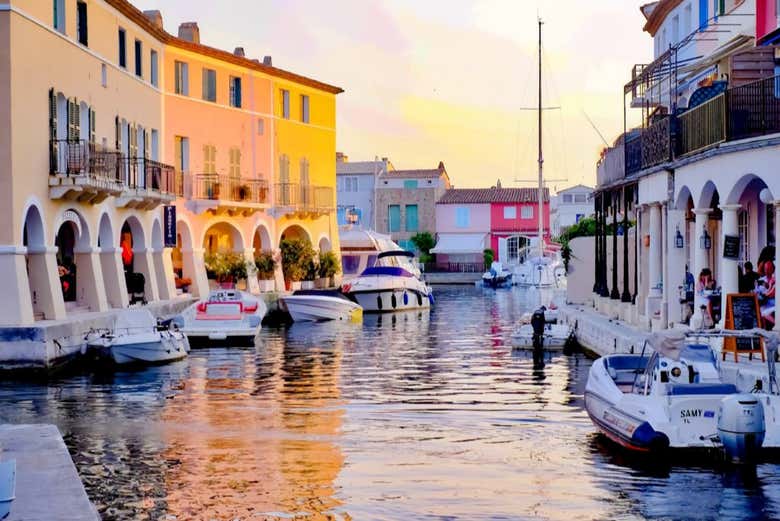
462	232
568	206
356	184
406	202
97	136
696	178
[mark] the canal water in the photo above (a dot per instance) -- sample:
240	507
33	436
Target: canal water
407	416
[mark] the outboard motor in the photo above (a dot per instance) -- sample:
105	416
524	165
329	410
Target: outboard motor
538	324
741	426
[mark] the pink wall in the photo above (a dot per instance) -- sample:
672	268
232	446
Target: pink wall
499	224
766	18
446	218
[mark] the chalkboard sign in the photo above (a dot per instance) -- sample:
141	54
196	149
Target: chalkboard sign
742	313
731	247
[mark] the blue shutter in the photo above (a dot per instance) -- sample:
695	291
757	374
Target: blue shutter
704	15
394	218
341	216
412	224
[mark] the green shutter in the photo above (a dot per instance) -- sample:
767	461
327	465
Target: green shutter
52	115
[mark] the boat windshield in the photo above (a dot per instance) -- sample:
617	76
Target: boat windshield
698	353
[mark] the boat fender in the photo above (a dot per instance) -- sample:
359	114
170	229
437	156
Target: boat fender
379	302
430	298
393	301
419	299
646	436
406	299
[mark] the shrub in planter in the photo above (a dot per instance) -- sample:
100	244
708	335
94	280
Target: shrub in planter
488	256
227	268
329	266
297	254
266	267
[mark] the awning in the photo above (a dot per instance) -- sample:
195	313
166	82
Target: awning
455	243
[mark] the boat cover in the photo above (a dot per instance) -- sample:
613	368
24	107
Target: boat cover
668	343
392	271
320	293
135	319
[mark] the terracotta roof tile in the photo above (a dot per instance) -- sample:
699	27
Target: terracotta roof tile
492	195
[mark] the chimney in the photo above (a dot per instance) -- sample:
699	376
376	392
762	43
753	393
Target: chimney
155	17
239	51
189	31
384	160
268	61
341	157
441	166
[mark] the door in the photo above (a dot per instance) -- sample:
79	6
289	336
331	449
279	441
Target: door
503	250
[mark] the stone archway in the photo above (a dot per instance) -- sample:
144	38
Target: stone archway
43	286
111	264
187	261
137	259
223	237
78	264
324	244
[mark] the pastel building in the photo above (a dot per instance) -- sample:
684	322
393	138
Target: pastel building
406	202
569	206
356	184
254	147
105	119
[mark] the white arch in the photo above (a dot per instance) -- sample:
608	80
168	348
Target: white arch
682	198
136	230
705	196
234	230
157	236
289	226
83	234
741	185
184	229
324	244
106	232
36	234
265	237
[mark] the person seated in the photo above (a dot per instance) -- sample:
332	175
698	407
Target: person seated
765	288
747	280
706	281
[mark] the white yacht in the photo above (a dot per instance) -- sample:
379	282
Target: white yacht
393	283
137	339
360	248
319	305
679	395
540	266
227	316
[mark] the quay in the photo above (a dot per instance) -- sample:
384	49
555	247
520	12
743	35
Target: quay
47	484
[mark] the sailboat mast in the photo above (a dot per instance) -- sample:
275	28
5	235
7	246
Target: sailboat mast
541	155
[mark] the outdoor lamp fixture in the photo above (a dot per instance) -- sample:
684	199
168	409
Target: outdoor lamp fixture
678	239
705	241
352	216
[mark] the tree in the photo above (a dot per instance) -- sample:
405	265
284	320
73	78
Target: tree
424	242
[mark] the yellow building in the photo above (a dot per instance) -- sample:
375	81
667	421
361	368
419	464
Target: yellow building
94	109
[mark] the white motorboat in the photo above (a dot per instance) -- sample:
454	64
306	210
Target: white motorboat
7	486
555	337
392	284
318	305
540	266
497	276
137	339
550	316
227	316
678	395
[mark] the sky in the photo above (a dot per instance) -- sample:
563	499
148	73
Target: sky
447	80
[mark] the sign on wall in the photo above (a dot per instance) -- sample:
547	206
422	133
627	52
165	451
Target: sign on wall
731	247
169	224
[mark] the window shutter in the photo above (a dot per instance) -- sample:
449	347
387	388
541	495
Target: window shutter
76	119
133	140
91	125
69	118
146	144
117	134
52	115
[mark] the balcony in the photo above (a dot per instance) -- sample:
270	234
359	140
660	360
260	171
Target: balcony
308	199
703	127
149	184
612	165
657	143
222	194
84	172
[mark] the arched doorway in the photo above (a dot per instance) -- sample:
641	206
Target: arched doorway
261	241
65	242
40	263
187	263
137	262
324	244
295	245
224	254
222	237
78	265
111	264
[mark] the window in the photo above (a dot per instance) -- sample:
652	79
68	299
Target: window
527	212
153	72
235	92
209	159
235	162
182	153
103	75
412	223
209	85
394	218
155	145
350	184
182	78
58	15
139	58
286	104
462	217
568	198
304	108
410	184
81	22
510	212
122	49
675	30
260	126
687	19
580	198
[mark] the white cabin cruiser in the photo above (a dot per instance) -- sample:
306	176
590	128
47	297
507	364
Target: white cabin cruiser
392	284
497	276
319	305
540	266
137	339
680	397
227	316
7	486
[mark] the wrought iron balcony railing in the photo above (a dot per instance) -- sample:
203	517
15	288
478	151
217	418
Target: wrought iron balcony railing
77	157
307	198
218	187
703	126
657	143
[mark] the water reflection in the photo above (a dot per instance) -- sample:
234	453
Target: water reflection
416	415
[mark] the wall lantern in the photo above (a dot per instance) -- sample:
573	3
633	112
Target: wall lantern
705	241
678	239
352	216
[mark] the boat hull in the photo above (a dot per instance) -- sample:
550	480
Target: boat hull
319	308
555	338
168	348
389	300
237	328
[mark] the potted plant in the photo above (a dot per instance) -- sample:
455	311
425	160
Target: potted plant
329	267
311	269
488	256
238	269
296	255
266	266
183	283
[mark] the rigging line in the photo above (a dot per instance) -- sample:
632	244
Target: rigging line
606	144
560	157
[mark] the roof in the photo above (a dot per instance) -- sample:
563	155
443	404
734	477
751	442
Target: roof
492	195
425	173
135	15
577	188
359	167
658	14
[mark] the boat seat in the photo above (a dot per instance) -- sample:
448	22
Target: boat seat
699	389
223	308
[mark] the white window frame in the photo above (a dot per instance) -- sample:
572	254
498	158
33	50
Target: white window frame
285	104
153	68
527	212
510	212
181	78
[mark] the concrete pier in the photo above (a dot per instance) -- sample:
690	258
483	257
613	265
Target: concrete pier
600	334
48	486
50	344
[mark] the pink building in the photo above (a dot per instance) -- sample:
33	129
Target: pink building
471	220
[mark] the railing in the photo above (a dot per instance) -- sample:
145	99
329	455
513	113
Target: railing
703	126
159	176
656	143
633	152
77	157
287	194
754	109
612	166
309	198
217	187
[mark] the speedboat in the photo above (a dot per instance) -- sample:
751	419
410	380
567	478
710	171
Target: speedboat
497	276
227	316
555	337
318	305
137	339
7	486
678	395
393	283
